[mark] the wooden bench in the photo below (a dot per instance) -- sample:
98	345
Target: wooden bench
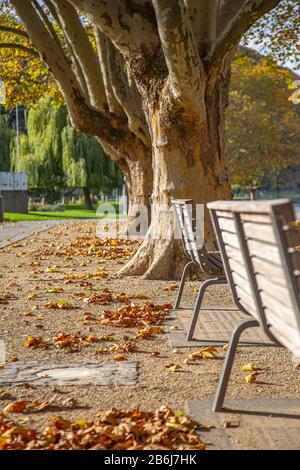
258	242
209	263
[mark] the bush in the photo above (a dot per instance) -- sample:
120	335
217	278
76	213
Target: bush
35	207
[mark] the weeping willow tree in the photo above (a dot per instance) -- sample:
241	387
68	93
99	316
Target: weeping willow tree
6	137
41	148
56	156
86	165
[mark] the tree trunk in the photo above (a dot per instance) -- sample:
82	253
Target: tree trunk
253	194
87	199
138	175
188	162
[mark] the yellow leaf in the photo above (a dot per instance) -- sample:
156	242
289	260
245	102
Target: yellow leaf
173	367
249	367
251	378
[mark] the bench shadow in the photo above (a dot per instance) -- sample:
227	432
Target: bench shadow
261	413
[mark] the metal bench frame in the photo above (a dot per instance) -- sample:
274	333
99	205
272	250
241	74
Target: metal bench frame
208	263
281	213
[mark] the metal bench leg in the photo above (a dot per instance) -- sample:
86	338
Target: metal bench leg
203	287
184	275
227	366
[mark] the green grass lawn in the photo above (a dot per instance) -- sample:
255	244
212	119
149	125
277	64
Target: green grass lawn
75	211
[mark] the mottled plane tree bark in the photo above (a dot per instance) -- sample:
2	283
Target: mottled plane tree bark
178	54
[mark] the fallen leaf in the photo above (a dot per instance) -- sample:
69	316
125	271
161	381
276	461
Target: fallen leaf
173	367
16	407
54	290
251	378
119	357
251	366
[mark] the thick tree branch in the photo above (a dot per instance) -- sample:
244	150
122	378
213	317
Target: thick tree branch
83	117
203	16
227	9
128	29
47	22
76	65
14	45
250	12
83	51
178	42
113	105
126	93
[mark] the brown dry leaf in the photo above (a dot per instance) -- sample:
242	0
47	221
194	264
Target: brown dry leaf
70	402
149	331
60	304
174	327
41	406
155	353
32	297
27	314
171	287
119	357
173	367
14	359
91	339
16	407
31	341
125	346
138	296
100	351
205	353
230	424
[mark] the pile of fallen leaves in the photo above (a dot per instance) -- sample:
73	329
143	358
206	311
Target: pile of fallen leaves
61	341
112	430
107	297
105	248
136	315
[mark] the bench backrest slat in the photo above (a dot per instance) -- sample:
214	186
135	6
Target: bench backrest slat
192	242
262	264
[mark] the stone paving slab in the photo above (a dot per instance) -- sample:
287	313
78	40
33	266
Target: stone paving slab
14	232
214	327
251	424
92	373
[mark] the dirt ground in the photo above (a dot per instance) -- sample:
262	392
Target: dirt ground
31	267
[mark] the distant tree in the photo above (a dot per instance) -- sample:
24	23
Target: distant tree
262	123
55	155
41	148
85	165
6	136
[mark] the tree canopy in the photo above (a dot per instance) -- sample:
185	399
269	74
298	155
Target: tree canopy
262	123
